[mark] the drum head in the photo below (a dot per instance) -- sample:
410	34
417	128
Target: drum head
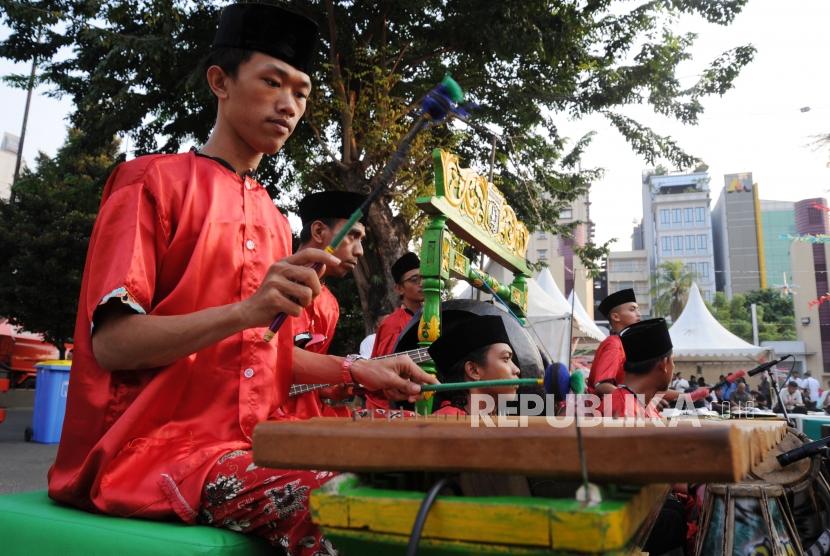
527	354
770	471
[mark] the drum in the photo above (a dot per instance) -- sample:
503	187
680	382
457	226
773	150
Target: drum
743	519
805	487
778	510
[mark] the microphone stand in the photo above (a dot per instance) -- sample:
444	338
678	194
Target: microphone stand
778	389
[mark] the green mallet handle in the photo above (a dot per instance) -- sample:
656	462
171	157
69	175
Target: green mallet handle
480	384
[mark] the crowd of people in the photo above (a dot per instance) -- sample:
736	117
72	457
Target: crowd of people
799	395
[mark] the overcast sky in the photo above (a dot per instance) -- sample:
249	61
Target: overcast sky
757	127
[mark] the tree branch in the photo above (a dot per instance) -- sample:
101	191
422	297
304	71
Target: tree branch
345	110
329	152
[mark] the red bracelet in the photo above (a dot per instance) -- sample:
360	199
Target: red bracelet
346	369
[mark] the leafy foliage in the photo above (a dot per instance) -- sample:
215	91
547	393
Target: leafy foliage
776	317
44	236
131	68
671	289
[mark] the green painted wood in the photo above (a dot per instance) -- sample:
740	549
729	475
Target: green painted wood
32	524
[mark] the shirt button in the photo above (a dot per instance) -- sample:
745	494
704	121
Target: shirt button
248	185
248	373
250	244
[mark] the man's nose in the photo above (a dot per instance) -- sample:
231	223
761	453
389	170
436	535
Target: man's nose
286	103
358	249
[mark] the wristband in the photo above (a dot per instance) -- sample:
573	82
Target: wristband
346	368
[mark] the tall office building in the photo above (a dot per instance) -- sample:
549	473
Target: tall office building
737	234
809	264
778	223
677	225
629	269
558	252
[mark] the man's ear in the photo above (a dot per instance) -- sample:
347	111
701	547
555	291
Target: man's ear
399	290
318	232
472	372
217	80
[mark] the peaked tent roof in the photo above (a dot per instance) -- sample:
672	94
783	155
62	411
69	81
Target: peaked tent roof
584	325
582	316
698	336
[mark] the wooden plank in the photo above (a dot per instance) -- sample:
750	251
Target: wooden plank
644	454
559	524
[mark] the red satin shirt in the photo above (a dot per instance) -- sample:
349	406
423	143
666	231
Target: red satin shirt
448	409
385	339
608	363
319	318
174	234
389	330
624	403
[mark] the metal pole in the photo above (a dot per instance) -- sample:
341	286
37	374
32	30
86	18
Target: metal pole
754	310
23	129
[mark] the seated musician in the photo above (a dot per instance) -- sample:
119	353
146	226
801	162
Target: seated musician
188	263
473	350
406	272
648	370
792	399
323	215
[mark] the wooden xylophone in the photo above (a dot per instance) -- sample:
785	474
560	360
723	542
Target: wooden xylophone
713	451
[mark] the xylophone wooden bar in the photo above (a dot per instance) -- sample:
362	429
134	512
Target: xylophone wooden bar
713	451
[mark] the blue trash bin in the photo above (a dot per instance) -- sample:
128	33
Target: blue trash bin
51	385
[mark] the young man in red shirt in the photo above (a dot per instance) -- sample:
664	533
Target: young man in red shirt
472	350
406	272
622	310
323	215
407	275
188	263
649	366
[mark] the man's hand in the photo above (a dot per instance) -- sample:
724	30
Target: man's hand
289	285
398	377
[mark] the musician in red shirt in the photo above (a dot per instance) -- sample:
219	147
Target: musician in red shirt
323	215
474	349
406	272
648	370
188	262
622	310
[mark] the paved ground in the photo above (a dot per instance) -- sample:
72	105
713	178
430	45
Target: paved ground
23	465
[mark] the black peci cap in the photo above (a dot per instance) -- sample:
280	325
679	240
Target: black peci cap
272	30
329	204
408	261
645	341
465	337
616	299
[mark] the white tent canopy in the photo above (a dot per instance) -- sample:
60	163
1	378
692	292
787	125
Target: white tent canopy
581	315
584	326
698	336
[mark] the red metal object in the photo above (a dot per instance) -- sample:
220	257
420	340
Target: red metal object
20	351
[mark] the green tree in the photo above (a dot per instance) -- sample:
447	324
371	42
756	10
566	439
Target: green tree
130	67
671	289
44	236
775	314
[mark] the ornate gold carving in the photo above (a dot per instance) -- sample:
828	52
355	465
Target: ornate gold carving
430	332
446	250
483	204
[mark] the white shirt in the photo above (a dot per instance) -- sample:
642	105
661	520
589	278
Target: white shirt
790	401
682	384
366	346
811	385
